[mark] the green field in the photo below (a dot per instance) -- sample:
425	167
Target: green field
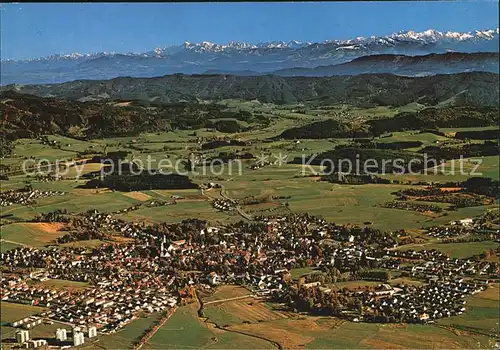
455	250
344	204
299	272
351	335
481	314
329	333
4	246
31	234
426	138
12	311
184	330
227	291
451	172
58	283
201	209
124	338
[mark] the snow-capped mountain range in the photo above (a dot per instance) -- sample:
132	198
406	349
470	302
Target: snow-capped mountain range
191	58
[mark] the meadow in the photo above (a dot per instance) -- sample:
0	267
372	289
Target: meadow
185	330
455	250
124	338
481	316
294	331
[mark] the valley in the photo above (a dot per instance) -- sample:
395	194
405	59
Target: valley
256	175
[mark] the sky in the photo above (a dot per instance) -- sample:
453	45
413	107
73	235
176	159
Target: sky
38	30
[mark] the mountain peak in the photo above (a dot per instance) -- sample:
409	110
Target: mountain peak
427	36
241	56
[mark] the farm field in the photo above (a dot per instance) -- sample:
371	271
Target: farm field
331	333
455	250
298	272
32	234
482	313
344	204
67	285
201	209
248	310
91	243
184	330
340	203
12	311
124	338
5	246
227	291
451	171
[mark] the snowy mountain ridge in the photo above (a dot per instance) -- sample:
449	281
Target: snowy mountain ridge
430	36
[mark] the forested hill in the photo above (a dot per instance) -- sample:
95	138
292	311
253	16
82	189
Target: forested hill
28	116
472	89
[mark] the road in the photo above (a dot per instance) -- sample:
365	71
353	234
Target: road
224	195
155	329
12	242
228	329
237	207
228	299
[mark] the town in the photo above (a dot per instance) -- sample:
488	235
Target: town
154	266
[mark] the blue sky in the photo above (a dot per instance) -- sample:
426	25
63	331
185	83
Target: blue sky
35	30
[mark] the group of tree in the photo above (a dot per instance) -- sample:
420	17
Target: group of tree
432	118
359	161
488	148
143	181
30	116
493	134
483	186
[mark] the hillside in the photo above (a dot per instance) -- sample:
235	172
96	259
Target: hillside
428	118
323	129
448	63
474	89
28	116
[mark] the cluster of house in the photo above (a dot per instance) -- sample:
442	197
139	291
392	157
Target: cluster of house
45	177
110	303
27	322
152	204
412	304
259	165
433	266
211	185
424	254
448	231
93	219
44	140
223	205
25	196
456	228
404	205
